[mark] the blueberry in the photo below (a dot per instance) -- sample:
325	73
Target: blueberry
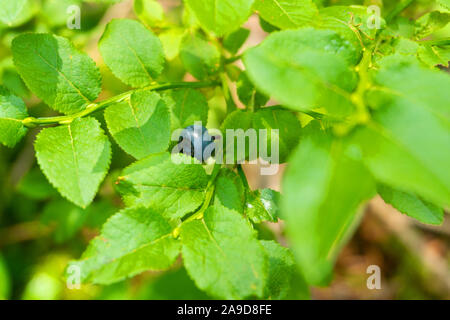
195	141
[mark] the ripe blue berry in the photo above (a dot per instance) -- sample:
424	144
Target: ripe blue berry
196	142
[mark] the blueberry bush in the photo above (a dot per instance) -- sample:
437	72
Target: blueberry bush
359	103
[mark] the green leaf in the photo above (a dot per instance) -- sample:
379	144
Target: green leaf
234	41
66	218
304	69
187	106
220	16
406	143
162	181
132	241
267	27
270	118
229	191
323	188
444	3
287	14
222	255
281	270
150	12
12	111
430	23
171	42
262	205
14	83
199	57
132	52
55	12
75	158
351	23
248	94
434	55
140	125
63	77
412	205
17	12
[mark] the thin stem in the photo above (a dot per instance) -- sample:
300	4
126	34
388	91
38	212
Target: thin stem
398	9
363	84
243	176
94	107
231	106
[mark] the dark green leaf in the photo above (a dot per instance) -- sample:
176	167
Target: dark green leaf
234	41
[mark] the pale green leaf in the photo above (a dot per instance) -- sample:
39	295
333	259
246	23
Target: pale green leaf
287	14
140	125
75	158
220	16
132	241
56	12
304	69
199	57
12	111
222	255
430	23
162	182
444	3
434	55
352	23
13	13
171	42
406	143
63	77
411	205
132	52
150	12
323	188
